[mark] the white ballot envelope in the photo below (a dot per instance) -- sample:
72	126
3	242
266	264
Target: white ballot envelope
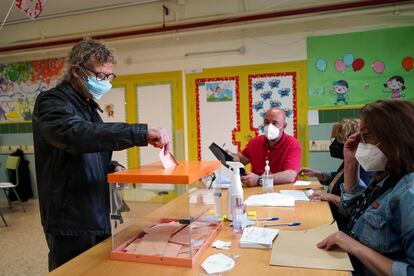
168	160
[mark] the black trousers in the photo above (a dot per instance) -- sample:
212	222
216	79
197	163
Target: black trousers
64	248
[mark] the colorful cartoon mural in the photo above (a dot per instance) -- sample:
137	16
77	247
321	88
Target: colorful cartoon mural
353	69
21	83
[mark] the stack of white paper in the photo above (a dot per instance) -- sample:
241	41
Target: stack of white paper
302	183
270	199
297	194
258	237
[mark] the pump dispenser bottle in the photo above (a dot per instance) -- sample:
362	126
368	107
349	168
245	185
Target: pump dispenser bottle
235	190
267	179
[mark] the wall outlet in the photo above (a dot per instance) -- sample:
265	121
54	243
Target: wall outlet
319	145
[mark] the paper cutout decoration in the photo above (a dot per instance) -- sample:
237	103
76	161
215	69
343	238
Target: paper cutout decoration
395	85
378	66
348	59
358	64
321	65
407	63
340	65
32	13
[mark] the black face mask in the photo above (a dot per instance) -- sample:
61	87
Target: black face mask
336	149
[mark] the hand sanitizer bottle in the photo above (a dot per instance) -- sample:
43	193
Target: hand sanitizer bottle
267	179
238	211
235	187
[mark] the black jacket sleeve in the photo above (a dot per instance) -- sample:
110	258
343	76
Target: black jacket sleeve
64	127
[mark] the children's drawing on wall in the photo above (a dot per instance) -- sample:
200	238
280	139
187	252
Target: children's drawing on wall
364	67
395	86
109	110
272	90
341	89
221	91
22	82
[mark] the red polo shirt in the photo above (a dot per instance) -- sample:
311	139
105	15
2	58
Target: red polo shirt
285	155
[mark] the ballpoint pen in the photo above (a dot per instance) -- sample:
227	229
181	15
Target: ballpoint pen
283	224
267	219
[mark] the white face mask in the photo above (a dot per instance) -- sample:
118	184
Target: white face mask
271	132
371	158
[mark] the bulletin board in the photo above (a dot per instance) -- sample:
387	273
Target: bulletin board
22	82
218	113
350	70
273	90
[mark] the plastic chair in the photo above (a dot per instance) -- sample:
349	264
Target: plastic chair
4	220
12	163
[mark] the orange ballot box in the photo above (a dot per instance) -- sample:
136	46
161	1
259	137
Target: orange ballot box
164	216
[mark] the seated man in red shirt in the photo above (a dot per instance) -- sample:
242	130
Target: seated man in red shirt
282	150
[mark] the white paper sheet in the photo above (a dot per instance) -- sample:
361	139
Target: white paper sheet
258	237
270	199
302	183
297	194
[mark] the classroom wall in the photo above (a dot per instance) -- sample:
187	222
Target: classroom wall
264	43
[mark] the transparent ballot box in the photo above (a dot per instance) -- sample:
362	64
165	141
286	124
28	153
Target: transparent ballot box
165	216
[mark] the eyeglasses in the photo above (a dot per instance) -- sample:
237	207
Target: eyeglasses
100	76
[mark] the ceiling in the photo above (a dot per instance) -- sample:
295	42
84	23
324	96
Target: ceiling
64	20
60	8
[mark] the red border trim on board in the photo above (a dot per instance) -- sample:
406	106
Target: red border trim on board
197	85
250	77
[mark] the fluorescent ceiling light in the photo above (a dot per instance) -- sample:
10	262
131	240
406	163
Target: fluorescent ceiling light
241	50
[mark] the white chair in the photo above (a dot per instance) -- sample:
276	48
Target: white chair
12	164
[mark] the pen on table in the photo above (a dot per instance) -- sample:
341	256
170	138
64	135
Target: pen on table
267	219
224	144
283	224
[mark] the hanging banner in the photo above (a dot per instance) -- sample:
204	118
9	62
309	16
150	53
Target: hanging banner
350	70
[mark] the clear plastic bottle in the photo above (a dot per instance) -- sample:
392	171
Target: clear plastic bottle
238	212
267	179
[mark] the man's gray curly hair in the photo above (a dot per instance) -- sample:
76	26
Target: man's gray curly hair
89	52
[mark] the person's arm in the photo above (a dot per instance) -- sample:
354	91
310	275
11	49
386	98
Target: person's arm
333	198
291	165
376	262
242	158
326	197
351	166
313	173
63	128
287	176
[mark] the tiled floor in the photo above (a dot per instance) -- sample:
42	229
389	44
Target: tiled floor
23	249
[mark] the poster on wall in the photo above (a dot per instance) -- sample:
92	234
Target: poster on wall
358	68
21	83
218	111
272	90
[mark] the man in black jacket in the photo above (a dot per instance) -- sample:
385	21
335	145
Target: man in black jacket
73	150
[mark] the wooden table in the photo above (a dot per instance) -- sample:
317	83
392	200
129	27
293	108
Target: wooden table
96	260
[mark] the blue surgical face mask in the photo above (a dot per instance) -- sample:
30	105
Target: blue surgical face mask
98	88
